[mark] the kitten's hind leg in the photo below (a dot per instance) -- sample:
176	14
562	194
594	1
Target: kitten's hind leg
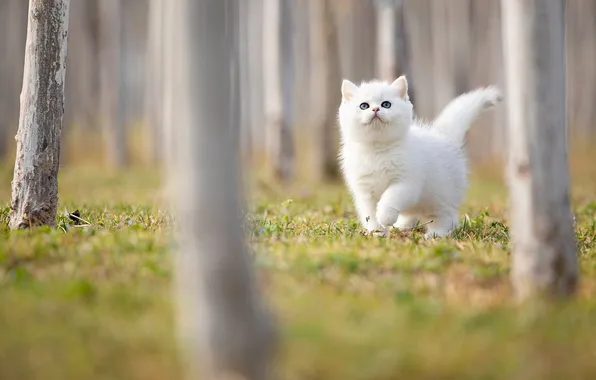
406	221
442	225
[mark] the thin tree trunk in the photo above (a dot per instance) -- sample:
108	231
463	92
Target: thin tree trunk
246	149
287	154
222	320
386	41
153	117
325	95
402	49
301	66
420	27
544	251
83	68
444	84
35	183
280	149
111	82
256	81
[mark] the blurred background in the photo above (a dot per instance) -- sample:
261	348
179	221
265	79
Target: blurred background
293	56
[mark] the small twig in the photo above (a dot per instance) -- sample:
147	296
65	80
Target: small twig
418	226
80	219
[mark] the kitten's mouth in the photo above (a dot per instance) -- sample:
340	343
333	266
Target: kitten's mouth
376	120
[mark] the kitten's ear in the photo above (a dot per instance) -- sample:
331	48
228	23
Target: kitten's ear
401	84
348	89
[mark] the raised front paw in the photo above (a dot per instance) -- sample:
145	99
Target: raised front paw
386	216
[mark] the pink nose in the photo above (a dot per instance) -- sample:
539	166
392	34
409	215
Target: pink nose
376	109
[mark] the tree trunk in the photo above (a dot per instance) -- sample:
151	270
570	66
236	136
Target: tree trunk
386	41
402	49
357	36
246	92
35	183
153	91
255	80
301	55
287	65
280	144
444	84
325	84
83	69
544	251
221	319
111	82
420	27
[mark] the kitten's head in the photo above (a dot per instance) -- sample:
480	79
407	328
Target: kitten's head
376	111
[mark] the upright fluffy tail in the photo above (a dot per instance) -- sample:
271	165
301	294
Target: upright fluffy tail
457	116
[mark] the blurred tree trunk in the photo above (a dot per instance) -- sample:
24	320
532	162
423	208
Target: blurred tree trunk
223	323
581	31
402	49
112	83
393	58
153	91
487	139
83	68
287	71
325	84
301	59
451	47
279	139
35	182
356	29
544	253
256	73
420	27
246	150
386	41
13	33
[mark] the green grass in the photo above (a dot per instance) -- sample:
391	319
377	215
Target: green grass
93	302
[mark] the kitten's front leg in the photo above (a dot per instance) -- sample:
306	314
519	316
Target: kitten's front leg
366	208
397	198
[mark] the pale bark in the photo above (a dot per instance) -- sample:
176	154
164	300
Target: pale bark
246	93
402	49
154	73
223	324
279	139
442	65
255	68
111	82
83	69
35	182
544	250
325	84
356	29
386	41
301	67
419	25
581	50
288	72
392	43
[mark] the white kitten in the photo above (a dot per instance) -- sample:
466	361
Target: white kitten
398	170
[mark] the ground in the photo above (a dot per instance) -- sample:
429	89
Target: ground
93	301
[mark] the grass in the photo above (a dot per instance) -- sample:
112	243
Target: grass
93	302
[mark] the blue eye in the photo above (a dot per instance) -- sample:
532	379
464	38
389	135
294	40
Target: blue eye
364	106
386	104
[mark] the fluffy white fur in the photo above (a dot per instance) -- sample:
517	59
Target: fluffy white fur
398	169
